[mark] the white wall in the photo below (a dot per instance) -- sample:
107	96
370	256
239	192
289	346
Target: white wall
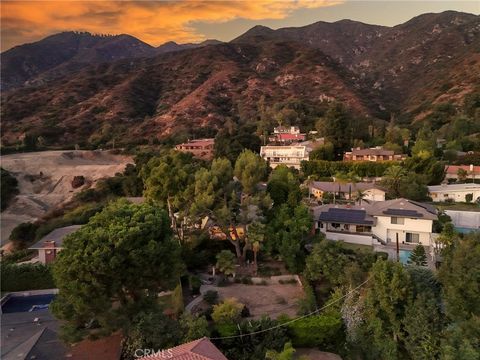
385	230
375	195
457	195
349	238
468	219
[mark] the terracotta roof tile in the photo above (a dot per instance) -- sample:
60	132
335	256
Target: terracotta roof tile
201	349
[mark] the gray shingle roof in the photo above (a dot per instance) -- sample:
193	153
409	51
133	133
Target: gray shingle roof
57	235
328	186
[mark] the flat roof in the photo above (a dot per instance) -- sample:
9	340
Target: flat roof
454	187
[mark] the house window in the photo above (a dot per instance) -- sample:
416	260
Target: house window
364	228
412	238
335	225
397	220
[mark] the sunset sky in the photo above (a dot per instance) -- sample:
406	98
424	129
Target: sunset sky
156	22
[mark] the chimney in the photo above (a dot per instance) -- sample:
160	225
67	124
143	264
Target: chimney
49	244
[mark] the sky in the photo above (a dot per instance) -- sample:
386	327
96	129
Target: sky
157	22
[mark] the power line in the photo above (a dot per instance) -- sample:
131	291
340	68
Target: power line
293	320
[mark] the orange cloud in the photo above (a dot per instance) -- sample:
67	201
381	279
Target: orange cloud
151	21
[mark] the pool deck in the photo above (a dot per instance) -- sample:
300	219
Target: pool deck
391	250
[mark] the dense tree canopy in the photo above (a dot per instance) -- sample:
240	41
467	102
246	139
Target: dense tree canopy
114	266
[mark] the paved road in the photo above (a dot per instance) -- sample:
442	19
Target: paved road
199	298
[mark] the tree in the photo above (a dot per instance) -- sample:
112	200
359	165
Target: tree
287	231
422	326
8	187
151	330
360	196
226	262
418	256
327	262
250	168
115	266
460	276
167	179
462	175
392	179
23	235
334	126
386	300
256	235
253	347
227	312
194	327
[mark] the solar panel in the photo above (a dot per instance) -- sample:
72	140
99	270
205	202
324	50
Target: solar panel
346	216
401	212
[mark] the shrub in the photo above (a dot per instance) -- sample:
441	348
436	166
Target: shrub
291	281
18	256
23	235
8	187
195	284
316	331
211	297
247	281
228	311
78	181
245	312
26	277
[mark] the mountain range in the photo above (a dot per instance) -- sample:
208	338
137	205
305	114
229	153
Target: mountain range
80	88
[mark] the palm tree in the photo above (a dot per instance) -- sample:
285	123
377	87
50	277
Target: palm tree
360	196
392	178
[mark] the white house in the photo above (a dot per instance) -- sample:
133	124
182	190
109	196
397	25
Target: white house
291	155
371	191
454	192
384	222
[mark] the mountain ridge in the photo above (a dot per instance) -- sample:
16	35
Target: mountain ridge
375	70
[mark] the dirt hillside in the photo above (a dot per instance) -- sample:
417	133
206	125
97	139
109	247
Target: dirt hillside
45	180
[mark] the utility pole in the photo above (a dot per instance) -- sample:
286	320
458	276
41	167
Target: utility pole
398	248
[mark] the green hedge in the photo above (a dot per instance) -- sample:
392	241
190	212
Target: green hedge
316	331
26	277
323	168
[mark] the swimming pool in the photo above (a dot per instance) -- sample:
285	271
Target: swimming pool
404	255
18	303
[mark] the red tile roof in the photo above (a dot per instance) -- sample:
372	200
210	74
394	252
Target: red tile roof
108	348
201	349
287	137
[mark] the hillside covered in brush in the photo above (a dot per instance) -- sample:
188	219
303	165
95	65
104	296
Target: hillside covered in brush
407	72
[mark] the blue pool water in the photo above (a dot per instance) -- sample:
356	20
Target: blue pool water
464	230
27	303
404	256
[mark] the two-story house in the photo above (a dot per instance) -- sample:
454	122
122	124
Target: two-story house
200	148
375	154
291	155
384	222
